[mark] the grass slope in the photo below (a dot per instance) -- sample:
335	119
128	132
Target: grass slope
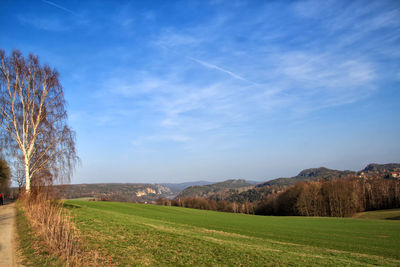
136	234
392	214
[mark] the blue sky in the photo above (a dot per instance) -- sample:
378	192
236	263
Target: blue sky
173	91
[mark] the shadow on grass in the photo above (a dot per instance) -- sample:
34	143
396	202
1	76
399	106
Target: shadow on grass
71	206
393	218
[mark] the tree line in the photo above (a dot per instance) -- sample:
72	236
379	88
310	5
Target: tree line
209	204
336	198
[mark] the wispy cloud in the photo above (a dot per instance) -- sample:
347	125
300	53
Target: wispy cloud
212	66
325	70
59	7
297	75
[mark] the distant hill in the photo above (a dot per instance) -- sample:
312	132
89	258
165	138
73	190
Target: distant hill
253	182
382	168
211	189
231	190
178	187
116	192
323	173
312	174
130	192
277	185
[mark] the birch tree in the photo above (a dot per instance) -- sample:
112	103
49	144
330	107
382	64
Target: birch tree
33	119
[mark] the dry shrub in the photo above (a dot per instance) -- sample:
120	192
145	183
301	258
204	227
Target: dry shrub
54	224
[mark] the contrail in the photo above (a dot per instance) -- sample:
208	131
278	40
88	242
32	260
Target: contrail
212	66
60	7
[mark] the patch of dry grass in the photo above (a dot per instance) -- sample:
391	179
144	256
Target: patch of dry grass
57	231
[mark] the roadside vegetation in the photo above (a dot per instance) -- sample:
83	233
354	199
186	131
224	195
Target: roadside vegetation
137	234
53	225
33	250
48	235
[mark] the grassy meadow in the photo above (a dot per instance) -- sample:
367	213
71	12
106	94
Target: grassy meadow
137	234
393	214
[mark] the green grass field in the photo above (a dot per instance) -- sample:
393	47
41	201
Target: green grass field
393	214
137	234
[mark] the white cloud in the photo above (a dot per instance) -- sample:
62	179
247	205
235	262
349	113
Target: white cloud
319	81
326	71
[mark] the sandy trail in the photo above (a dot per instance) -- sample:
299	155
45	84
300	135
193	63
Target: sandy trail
7	246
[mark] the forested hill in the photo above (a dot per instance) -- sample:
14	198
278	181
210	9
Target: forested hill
312	174
212	189
242	194
178	187
381	168
323	173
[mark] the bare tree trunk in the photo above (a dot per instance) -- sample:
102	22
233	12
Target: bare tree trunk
27	176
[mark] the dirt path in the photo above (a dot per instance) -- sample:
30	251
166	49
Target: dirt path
7	225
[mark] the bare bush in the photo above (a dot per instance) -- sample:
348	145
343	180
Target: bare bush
55	226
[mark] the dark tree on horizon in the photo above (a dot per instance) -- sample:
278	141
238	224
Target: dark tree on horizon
5	176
